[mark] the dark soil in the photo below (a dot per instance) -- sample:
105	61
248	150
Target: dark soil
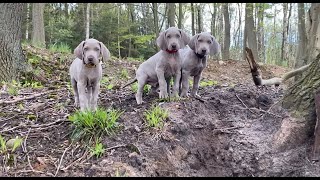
229	133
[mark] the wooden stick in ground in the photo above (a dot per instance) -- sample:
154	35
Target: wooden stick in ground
316	145
28	97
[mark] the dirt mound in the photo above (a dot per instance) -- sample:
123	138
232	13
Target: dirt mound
229	133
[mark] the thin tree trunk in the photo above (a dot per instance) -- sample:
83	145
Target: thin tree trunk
171	14
301	57
12	60
192	20
284	32
27	21
88	21
213	20
249	29
66	8
260	35
38	36
226	44
155	21
180	16
200	26
119	51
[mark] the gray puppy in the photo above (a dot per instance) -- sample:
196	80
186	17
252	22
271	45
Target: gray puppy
86	73
158	70
194	60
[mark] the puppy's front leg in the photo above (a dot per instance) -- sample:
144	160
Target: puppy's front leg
168	86
75	91
176	83
83	96
162	83
94	97
185	83
196	81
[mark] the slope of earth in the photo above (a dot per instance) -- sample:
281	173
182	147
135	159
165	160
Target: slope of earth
228	133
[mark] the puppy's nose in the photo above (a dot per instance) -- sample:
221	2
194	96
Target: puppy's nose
204	51
90	59
174	46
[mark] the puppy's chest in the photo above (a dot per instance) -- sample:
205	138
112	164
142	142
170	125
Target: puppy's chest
197	68
172	66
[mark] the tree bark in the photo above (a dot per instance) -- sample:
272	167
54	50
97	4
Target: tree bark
213	20
12	60
171	14
192	20
284	33
250	33
260	32
226	44
299	98
88	21
180	16
301	50
200	25
27	21
38	36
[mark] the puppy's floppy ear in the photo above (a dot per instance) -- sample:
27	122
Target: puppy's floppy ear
105	53
214	47
192	42
161	42
184	39
78	51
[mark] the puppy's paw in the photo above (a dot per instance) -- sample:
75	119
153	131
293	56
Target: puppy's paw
76	104
184	95
140	102
163	95
195	96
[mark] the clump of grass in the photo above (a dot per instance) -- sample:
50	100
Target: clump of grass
98	150
89	124
7	149
208	83
61	47
124	74
155	116
146	88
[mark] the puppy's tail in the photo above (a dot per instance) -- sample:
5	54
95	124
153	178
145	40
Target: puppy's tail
129	83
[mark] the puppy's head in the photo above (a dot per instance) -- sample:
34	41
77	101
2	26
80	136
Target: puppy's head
204	43
91	50
172	39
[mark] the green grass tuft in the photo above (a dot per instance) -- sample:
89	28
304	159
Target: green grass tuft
62	47
155	116
146	88
89	124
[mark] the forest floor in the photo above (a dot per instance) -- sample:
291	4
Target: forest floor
229	133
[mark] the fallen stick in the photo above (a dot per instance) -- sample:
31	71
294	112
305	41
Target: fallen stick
60	162
28	97
243	103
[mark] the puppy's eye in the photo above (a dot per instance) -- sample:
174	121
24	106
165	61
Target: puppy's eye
96	49
169	36
200	40
85	49
178	36
209	42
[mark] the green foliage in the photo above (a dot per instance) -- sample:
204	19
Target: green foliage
3	145
146	88
90	124
61	47
124	74
98	150
208	83
155	116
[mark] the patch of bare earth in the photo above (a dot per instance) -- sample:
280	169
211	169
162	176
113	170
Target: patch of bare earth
230	133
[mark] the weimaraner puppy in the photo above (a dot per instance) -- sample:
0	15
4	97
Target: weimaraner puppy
194	60
86	73
158	70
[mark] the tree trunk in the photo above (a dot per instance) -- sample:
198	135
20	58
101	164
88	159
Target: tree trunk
180	16
155	21
27	21
12	60
192	19
250	33
284	32
171	14
88	21
200	26
119	51
38	36
299	98
66	8
213	20
301	50
313	47
260	32
226	44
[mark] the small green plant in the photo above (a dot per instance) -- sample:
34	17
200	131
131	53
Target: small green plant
90	124
7	149
146	88
98	150
13	87
124	74
32	84
62	47
208	83
155	116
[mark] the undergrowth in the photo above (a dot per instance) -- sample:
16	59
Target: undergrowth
155	116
